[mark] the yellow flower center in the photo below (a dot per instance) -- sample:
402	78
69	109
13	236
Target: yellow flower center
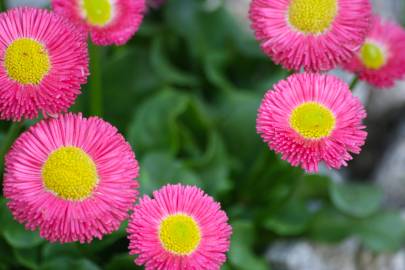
26	61
179	234
70	173
312	16
372	56
312	120
97	12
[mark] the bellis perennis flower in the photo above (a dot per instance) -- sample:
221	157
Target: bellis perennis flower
181	228
311	34
381	59
71	177
311	118
44	62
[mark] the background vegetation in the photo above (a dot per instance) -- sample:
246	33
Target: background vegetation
185	93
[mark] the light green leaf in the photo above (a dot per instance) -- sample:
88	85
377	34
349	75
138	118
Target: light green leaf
356	199
382	232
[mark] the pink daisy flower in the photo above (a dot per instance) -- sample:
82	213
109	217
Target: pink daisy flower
108	21
180	229
310	118
381	59
44	61
71	177
311	34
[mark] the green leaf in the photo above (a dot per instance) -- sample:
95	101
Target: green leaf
240	254
291	219
237	123
63	263
7	256
53	250
358	200
160	168
28	257
98	245
14	233
155	126
122	262
329	225
382	232
165	70
313	186
213	167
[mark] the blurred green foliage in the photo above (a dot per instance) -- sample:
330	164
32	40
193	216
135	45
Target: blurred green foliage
185	92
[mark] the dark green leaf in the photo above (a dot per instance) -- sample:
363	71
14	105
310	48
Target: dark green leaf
62	263
240	254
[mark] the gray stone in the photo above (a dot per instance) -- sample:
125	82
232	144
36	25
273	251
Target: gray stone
36	3
307	256
371	261
390	174
304	255
240	10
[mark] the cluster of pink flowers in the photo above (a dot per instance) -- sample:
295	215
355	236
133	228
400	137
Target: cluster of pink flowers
74	178
312	118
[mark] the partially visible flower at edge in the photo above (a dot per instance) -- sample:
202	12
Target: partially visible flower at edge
381	59
44	62
109	22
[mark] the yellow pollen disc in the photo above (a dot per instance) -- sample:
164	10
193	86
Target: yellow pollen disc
26	61
372	56
312	16
97	12
70	173
312	120
179	234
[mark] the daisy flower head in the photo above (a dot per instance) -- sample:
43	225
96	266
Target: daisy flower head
44	61
109	22
381	59
71	177
315	35
181	228
312	118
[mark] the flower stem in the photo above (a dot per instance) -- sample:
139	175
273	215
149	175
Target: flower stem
8	140
354	82
96	90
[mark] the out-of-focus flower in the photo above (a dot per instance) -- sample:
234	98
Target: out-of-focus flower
108	21
381	59
71	177
181	228
44	61
312	118
311	34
